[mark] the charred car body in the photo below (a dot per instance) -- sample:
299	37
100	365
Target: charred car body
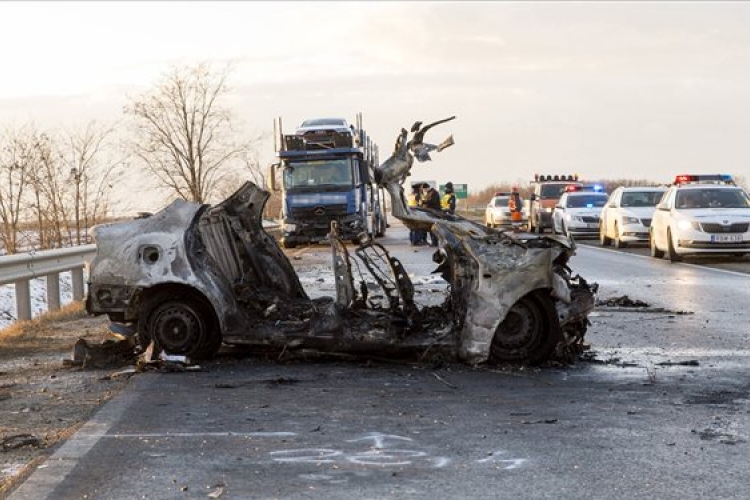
193	276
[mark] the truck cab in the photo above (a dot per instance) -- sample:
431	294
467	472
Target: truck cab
547	190
324	172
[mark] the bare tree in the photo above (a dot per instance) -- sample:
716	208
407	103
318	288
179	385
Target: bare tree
93	166
17	160
52	195
183	134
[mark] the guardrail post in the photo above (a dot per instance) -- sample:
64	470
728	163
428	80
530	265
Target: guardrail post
53	292
23	300
77	275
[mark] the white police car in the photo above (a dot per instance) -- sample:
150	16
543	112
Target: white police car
577	212
701	214
627	215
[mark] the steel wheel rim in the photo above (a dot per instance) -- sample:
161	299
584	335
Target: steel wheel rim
178	328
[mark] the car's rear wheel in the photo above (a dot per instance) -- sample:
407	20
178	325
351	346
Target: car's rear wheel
529	333
673	255
618	238
655	252
185	326
603	239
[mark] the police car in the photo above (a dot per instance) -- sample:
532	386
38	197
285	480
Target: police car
577	212
701	214
627	215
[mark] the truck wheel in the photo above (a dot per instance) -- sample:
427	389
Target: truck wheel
529	333
381	228
185	326
285	244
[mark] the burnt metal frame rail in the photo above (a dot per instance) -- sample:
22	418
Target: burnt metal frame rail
19	269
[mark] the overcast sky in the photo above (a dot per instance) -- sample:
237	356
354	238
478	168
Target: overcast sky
640	90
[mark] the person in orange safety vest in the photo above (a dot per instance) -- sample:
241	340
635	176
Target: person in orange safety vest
516	208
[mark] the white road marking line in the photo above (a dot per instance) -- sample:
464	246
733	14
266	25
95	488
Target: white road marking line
43	482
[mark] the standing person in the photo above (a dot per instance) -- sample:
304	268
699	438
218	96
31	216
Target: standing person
431	200
416	238
515	204
448	201
430	197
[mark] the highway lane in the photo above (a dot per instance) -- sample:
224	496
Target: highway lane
623	426
729	263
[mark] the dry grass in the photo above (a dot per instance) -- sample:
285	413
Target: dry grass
24	331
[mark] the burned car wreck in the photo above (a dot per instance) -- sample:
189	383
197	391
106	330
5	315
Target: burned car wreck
192	276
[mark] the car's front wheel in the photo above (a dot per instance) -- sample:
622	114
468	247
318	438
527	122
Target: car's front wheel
671	252
529	333
655	252
618	238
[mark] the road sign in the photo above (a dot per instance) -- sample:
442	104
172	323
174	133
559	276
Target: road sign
460	190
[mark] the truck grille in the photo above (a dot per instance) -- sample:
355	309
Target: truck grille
326	211
737	227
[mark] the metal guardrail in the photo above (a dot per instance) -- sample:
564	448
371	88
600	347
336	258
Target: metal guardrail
19	269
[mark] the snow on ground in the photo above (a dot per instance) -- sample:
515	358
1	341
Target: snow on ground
38	289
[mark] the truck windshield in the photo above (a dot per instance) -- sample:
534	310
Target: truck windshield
308	173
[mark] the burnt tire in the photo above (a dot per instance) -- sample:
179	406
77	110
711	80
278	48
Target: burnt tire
529	333
184	326
671	253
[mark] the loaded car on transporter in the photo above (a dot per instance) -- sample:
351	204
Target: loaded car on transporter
193	276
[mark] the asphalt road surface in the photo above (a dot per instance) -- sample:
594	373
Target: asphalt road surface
659	411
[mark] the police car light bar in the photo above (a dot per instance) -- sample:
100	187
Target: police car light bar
703	179
556	177
597	188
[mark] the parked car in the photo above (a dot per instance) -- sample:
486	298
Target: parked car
324	124
701	214
627	215
577	213
497	213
